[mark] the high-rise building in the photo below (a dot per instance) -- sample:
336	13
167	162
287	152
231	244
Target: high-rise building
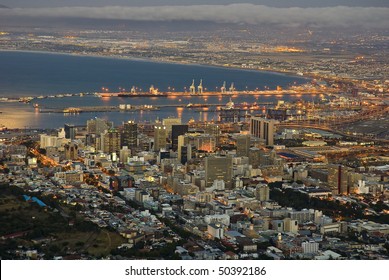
70	131
177	130
110	141
183	140
160	137
98	126
213	130
90	139
124	154
185	154
169	122
338	179
263	129
218	168
49	141
262	192
255	157
129	135
243	145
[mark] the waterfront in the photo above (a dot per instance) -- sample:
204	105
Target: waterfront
35	73
20	115
43	74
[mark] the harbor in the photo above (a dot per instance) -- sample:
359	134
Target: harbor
133	108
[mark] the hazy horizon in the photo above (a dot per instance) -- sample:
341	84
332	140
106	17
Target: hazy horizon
238	13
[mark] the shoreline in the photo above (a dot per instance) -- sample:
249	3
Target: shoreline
151	60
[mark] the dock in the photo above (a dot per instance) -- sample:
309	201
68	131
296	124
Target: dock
135	108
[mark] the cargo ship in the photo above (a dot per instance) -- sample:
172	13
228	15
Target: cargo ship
142	94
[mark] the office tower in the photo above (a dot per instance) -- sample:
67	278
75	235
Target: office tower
71	151
124	154
90	139
214	130
185	153
70	131
218	168
255	157
98	126
265	158
243	145
169	122
262	192
98	143
110	141
49	141
129	135
338	179
182	141
178	130
160	137
263	129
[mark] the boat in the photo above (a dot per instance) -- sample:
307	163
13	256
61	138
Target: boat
190	105
145	94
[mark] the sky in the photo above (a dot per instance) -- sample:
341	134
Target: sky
315	13
272	3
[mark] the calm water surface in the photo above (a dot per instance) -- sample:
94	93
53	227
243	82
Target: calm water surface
35	74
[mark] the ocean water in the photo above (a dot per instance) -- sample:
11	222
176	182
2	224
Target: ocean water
35	74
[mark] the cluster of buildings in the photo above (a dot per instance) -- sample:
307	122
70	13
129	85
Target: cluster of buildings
180	173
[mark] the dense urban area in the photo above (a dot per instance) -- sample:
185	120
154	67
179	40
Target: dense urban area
294	180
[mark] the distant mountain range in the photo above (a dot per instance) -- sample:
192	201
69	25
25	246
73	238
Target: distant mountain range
3	7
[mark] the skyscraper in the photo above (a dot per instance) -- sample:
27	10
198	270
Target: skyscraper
338	179
255	157
178	130
129	135
70	131
160	137
263	129
98	126
218	168
262	192
183	140
110	141
185	153
124	154
243	145
214	130
169	122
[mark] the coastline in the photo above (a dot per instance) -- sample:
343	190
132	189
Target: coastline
151	60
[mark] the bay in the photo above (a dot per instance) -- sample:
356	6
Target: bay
36	74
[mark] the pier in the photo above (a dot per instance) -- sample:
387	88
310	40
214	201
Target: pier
134	108
210	93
